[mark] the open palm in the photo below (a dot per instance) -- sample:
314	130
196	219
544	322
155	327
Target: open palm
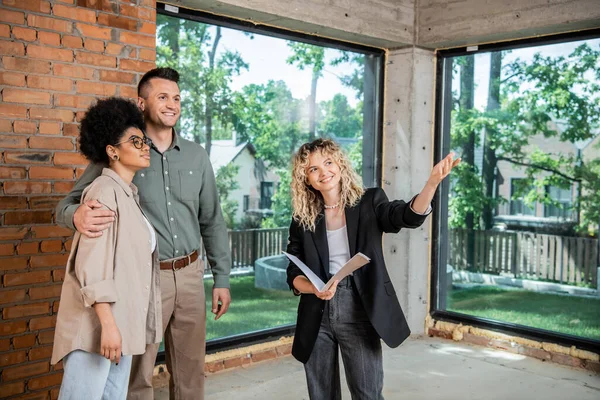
443	168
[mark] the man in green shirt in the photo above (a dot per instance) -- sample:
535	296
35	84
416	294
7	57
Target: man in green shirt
179	196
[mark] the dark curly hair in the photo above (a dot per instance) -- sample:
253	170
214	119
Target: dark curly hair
105	123
162	73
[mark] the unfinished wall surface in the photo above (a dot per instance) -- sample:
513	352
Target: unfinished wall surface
407	162
379	23
451	23
57	57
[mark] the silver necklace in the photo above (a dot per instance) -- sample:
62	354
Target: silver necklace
336	205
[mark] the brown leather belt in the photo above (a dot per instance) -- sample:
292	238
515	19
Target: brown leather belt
181	262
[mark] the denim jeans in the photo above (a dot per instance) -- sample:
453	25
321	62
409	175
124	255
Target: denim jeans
91	376
345	328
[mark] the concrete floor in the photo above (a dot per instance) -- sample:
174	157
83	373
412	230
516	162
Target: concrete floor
421	369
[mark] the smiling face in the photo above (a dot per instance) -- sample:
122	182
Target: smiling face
162	104
322	172
129	155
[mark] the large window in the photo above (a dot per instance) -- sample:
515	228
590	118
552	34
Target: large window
517	228
251	96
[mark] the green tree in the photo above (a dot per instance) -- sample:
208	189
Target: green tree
340	118
226	178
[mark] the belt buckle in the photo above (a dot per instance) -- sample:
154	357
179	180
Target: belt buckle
173	265
181	258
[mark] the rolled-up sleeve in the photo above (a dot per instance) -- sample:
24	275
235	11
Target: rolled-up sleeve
95	260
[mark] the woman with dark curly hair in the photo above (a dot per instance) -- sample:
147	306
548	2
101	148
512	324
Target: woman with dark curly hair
334	218
110	301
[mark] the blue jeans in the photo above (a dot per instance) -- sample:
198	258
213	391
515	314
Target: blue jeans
91	376
345	327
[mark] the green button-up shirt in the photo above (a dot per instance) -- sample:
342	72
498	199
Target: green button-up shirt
179	195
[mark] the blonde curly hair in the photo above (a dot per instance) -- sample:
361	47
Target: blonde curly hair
307	202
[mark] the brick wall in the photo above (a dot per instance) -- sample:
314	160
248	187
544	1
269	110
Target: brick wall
56	58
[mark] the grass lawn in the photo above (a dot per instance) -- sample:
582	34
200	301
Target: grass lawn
560	313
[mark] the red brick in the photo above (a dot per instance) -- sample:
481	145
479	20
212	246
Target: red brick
27	187
431	332
5	31
214	366
46	337
46	202
232	362
100	89
42	232
26	34
12	79
51	246
135	65
11	389
54	260
12	173
58	275
264	355
27	217
48	53
117	50
12	328
16	357
52	114
40	353
49	38
28	248
94	31
592	366
13	263
56	143
118	22
566	360
50	128
38	323
45	292
12	296
74	71
137	39
55	391
284	350
70	130
25	371
7	249
147	54
5	125
50	23
27	157
63	187
20	342
102	5
128	91
4	346
13	142
13	17
72	42
26	310
50	83
71	101
55	307
69	159
35	396
26	278
10	110
12	233
535	353
25	127
117	76
148	27
12	48
45	381
94	45
68	244
13	202
26	65
50	173
96	59
25	96
78	14
40	6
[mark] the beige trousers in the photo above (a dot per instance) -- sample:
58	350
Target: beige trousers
184	325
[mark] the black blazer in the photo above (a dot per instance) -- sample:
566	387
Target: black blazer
366	222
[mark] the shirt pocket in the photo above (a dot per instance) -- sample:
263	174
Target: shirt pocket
190	183
150	185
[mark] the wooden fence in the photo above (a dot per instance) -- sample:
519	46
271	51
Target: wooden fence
570	260
249	244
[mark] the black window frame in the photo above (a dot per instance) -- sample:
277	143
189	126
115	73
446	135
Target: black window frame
441	147
372	159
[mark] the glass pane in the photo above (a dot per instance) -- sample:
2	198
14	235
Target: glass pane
520	240
251	100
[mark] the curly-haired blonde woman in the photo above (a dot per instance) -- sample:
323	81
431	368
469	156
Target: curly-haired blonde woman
333	219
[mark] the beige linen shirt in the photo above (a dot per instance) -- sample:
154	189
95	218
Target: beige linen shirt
119	268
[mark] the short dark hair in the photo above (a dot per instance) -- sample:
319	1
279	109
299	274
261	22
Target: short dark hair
162	73
105	123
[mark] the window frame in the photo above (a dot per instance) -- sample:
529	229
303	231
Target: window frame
372	160
440	216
